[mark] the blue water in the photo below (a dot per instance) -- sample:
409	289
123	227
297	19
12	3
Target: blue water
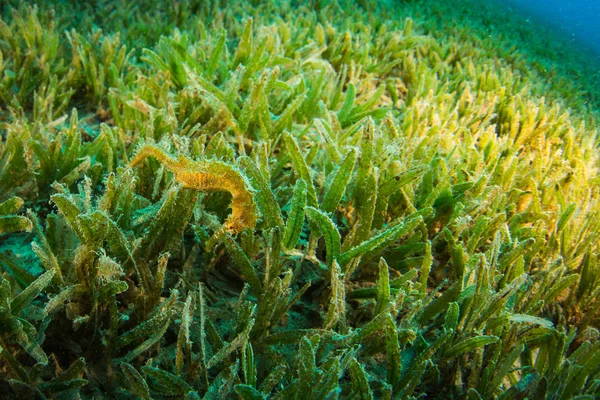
579	20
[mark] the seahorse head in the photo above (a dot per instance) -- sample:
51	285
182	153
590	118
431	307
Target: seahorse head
241	218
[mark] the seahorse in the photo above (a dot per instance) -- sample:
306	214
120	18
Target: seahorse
209	175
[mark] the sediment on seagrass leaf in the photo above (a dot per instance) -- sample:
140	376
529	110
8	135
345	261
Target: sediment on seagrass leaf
384	294
25	298
336	312
324	226
365	200
340	182
265	199
388	235
301	167
10	222
240	259
295	218
273	247
136	382
164	382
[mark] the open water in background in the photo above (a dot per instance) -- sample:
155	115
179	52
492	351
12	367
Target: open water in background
579	20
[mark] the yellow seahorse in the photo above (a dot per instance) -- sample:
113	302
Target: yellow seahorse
210	175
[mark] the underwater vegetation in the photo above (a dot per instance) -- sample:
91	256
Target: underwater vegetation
294	200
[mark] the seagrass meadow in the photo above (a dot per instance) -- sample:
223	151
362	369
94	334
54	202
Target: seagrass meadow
296	200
